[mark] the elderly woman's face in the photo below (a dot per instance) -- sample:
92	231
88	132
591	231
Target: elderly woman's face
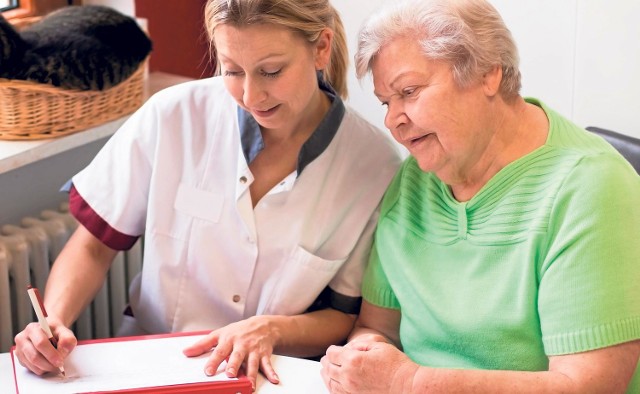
426	111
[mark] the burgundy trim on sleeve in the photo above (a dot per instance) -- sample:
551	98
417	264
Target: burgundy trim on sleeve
96	225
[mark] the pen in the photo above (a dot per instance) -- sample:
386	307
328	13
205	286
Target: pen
38	306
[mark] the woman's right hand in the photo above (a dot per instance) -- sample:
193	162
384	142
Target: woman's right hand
36	353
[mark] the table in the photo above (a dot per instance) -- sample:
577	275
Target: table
296	376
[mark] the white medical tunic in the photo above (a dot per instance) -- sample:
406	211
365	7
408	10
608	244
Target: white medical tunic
177	171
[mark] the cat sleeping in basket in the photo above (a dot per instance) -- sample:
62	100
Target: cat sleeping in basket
85	47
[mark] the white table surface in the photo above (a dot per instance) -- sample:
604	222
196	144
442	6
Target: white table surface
296	376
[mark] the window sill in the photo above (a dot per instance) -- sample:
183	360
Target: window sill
17	154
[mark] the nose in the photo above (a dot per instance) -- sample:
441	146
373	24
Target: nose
253	92
395	116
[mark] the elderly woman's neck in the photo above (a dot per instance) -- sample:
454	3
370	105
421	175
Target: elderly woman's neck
517	128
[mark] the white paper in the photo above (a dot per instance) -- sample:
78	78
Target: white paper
297	376
108	366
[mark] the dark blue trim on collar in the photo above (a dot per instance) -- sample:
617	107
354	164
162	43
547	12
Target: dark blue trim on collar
323	135
250	136
252	142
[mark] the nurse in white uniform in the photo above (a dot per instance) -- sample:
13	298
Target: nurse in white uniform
256	191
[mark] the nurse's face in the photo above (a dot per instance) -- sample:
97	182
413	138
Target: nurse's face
271	72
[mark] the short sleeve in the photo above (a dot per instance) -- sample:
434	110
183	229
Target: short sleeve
116	183
348	279
589	292
376	288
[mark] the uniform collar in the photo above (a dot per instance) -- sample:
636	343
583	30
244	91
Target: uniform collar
251	138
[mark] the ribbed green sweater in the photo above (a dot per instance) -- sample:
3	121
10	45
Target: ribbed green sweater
544	260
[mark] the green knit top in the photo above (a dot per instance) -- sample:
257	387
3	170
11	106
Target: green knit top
544	260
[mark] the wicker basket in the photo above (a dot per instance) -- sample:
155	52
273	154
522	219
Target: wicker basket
30	110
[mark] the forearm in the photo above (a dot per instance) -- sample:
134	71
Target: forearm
435	380
76	276
378	324
369	333
605	370
311	333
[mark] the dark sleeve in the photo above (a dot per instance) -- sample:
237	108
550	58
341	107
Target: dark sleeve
331	299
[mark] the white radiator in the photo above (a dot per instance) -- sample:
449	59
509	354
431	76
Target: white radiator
27	251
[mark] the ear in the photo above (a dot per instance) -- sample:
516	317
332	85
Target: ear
491	81
322	49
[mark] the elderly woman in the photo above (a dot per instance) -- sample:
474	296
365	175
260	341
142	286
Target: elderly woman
506	256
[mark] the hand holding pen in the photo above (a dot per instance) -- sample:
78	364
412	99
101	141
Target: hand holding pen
41	313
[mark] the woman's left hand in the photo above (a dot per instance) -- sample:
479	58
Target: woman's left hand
249	342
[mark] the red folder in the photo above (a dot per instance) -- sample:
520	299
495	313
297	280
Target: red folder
240	386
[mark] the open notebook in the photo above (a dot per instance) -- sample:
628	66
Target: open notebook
148	364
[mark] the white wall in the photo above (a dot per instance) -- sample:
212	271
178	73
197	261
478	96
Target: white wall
582	57
607	73
360	92
124	6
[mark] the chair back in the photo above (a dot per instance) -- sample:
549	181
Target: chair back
629	147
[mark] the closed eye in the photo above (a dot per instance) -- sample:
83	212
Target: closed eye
270	74
228	73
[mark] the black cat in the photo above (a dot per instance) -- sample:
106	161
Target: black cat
77	47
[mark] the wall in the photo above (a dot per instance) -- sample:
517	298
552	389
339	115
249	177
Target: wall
28	190
582	57
607	73
124	6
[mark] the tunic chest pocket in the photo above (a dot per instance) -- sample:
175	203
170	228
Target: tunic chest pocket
300	282
199	204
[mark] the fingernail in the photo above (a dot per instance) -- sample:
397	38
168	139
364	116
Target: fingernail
209	371
231	371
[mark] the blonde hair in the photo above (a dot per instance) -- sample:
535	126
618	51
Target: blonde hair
468	34
306	17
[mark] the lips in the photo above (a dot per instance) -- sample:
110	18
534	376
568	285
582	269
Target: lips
417	140
267	112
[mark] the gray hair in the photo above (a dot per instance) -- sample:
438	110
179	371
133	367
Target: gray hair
468	34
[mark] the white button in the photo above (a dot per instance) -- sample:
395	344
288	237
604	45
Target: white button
243	179
236	298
